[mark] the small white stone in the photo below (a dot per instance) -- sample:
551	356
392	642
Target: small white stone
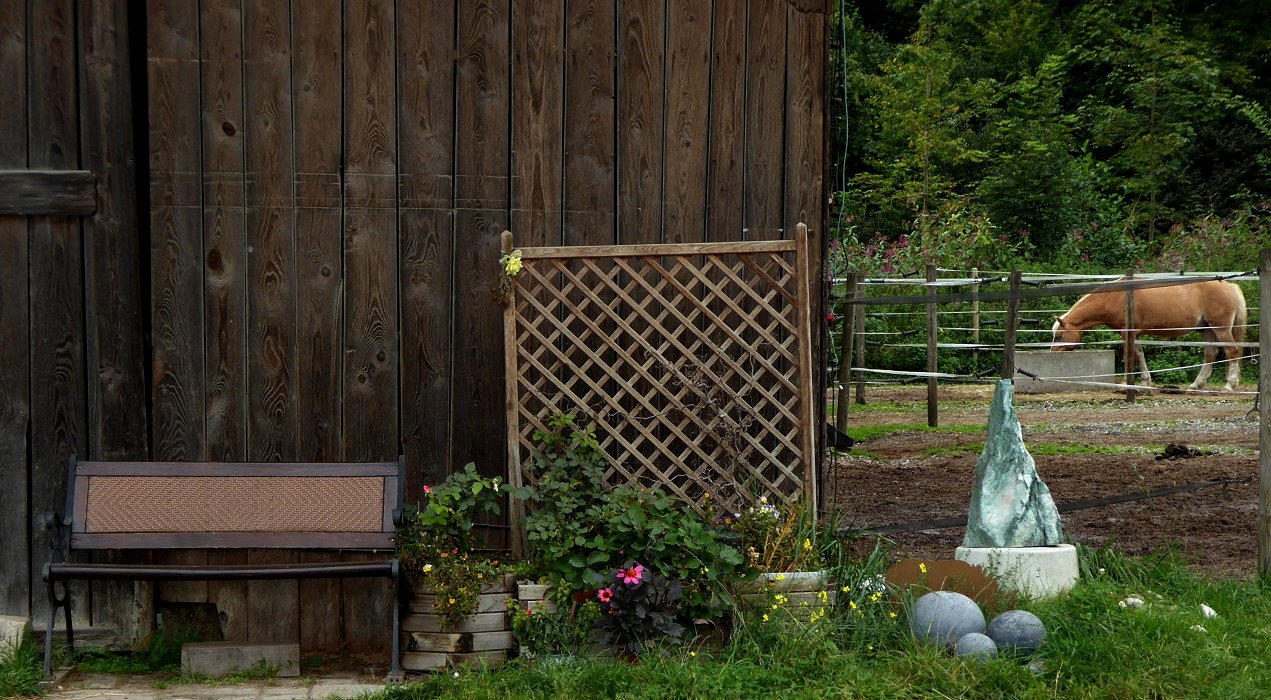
1131	602
1198	628
1207	611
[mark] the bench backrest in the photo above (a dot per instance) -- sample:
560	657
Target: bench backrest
197	505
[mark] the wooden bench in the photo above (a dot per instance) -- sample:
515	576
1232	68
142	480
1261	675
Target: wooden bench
207	505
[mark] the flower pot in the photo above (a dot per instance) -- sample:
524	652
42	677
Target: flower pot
482	638
799	595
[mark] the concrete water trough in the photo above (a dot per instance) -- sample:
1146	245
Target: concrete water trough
1071	366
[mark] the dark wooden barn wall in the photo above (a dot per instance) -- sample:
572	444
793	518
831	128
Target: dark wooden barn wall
327	184
72	352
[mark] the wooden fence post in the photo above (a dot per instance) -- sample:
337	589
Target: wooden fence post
843	396
860	341
1128	335
1012	327
1264	406
933	413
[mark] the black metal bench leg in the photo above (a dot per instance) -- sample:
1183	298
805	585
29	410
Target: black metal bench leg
395	676
54	603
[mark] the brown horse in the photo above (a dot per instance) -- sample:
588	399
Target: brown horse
1215	308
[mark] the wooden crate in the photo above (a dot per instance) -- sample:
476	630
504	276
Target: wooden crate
481	639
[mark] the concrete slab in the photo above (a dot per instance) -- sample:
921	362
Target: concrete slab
12	629
220	658
1032	572
1071	367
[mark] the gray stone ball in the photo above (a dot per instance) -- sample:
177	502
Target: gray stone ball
975	646
944	617
1017	632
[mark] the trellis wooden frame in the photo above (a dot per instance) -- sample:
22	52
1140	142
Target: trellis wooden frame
645	341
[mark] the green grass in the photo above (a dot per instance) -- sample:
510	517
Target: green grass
21	670
870	432
159	654
1095	649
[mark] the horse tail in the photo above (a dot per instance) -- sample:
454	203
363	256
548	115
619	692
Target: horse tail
1242	316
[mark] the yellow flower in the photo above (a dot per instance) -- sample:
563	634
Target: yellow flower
692	653
781	577
847	589
892	615
774	607
765	617
877	596
512	263
478	575
823	596
427	568
807	544
852	604
452	601
922	567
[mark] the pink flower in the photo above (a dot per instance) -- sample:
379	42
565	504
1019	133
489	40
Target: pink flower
632	575
427	489
605	595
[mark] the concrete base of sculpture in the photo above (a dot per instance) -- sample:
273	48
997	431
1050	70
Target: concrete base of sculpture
1032	572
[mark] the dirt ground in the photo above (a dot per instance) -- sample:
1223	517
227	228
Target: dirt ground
902	481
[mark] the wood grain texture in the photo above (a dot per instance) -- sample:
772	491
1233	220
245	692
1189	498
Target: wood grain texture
48	192
371	261
538	136
58	374
725	176
641	127
271	237
765	119
115	350
176	286
224	228
318	103
15	348
482	195
426	229
317	94
590	183
687	120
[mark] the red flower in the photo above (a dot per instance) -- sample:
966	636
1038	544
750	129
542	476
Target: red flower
605	595
427	489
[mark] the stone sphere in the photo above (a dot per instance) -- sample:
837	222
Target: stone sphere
1017	632
975	646
944	617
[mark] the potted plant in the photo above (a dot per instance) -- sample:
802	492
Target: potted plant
780	546
457	613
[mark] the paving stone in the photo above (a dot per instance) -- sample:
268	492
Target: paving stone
219	658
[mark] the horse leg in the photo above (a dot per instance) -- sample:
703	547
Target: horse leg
1143	373
1211	351
1232	353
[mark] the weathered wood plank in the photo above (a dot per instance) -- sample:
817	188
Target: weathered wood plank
641	130
15	348
317	94
482	193
224	229
176	286
481	622
117	425
687	121
48	192
58	374
225	264
426	221
589	117
371	302
462	642
538	136
725	173
271	237
272	606
765	121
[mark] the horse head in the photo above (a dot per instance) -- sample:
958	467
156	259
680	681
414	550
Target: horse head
1066	337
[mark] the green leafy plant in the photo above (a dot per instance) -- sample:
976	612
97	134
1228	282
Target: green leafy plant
776	539
20	669
580	531
640	609
435	546
564	631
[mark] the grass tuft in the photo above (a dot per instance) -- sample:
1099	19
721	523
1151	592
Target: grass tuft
21	670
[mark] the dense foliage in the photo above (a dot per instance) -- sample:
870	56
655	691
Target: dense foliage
1078	135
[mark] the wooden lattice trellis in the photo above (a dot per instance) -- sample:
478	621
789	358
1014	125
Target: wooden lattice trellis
692	361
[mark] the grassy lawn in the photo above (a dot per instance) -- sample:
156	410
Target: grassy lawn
1095	649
